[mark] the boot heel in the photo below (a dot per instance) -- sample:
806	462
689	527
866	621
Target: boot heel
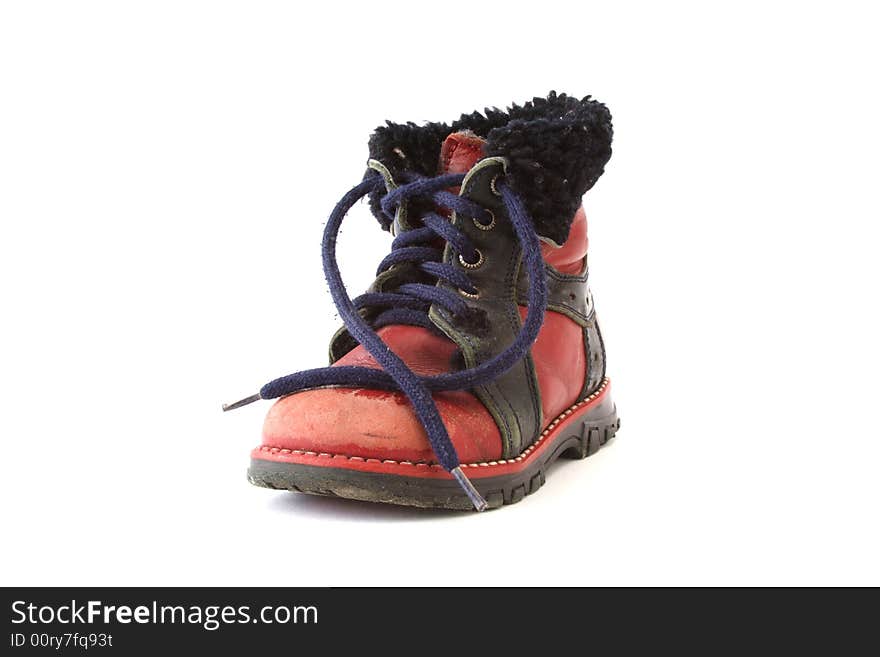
593	434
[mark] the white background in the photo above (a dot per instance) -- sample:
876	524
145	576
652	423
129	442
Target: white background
166	169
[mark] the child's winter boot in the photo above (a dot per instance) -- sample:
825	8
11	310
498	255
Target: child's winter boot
474	360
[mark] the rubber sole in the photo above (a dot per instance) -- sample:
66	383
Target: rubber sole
577	433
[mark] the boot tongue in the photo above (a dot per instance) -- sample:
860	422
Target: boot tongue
460	151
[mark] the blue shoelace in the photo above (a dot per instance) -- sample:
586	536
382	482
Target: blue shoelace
409	304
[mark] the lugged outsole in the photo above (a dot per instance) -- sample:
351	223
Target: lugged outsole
578	440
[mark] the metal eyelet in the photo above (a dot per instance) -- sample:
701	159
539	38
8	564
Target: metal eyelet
489	226
471	265
493	185
468	294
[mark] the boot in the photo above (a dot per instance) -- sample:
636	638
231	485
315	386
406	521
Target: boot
475	359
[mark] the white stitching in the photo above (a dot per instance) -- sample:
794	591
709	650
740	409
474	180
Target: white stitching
421	464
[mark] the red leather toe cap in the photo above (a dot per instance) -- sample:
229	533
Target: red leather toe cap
378	424
382	425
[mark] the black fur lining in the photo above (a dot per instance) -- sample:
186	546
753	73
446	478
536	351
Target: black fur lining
557	148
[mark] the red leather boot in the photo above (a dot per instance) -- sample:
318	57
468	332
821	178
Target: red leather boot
475	358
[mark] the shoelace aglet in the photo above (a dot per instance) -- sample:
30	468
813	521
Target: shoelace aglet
479	502
242	402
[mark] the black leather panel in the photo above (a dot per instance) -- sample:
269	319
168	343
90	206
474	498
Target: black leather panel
513	399
567	294
595	352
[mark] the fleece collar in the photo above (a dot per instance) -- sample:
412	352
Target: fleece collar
556	148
